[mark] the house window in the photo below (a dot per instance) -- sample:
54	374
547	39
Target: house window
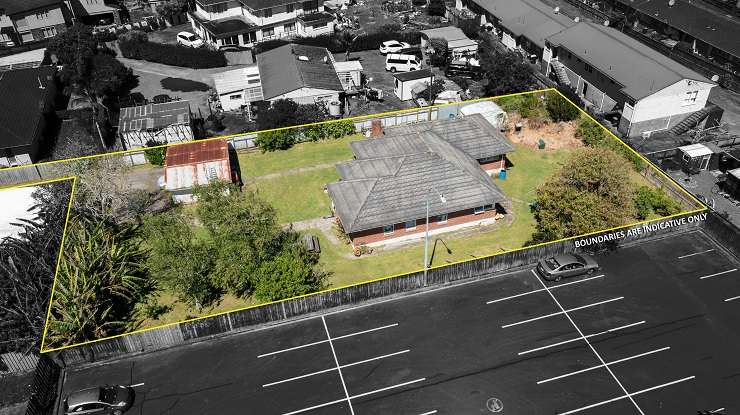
442	218
410	225
289	27
268	13
290	8
235	97
231	40
690	98
388	229
253	94
42	15
488	207
479	210
268	32
49	31
311	6
686	158
218	8
319	25
250	37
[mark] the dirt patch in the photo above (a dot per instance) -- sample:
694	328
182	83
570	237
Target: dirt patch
556	135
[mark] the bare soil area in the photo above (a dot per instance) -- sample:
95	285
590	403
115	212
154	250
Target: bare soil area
556	135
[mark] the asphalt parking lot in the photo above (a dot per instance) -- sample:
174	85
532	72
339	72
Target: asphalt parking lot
655	332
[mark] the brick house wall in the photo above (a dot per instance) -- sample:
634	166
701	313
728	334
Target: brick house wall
495	165
455	218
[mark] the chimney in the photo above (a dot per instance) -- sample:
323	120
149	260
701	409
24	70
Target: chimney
556	10
377	129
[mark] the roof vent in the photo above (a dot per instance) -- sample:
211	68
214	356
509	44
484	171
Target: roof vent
671	3
303	58
577	19
556	10
326	59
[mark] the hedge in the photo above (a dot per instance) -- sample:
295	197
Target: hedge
173	54
370	41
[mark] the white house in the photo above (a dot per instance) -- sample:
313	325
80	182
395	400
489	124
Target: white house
304	74
246	22
613	72
165	123
238	87
405	82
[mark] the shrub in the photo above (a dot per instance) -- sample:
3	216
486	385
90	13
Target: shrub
649	200
133	36
326	131
276	140
560	109
155	156
174	55
462	82
436	8
592	134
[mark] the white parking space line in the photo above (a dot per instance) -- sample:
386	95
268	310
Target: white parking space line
564	311
542	289
600	366
136	385
400	385
716	410
732	298
429	413
326	341
696	253
626	396
588	336
334	368
593	349
341	377
718	273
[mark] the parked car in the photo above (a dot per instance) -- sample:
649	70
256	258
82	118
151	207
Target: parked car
392	46
567	265
463	69
100	400
188	39
402	63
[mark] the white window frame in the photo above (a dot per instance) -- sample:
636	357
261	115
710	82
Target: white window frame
410	228
392	229
235	97
479	210
442	218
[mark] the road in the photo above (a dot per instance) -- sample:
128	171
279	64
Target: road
656	331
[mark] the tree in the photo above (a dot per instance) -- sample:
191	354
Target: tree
276	140
179	262
587	194
505	72
560	109
101	278
431	92
102	190
440	51
437	8
289	274
27	266
156	155
171	8
286	113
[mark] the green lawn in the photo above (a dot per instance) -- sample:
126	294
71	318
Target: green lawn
308	154
298	196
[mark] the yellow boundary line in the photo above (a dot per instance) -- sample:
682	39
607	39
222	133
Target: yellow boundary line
371	116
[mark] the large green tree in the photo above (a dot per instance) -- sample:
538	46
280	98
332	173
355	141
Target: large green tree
505	71
591	192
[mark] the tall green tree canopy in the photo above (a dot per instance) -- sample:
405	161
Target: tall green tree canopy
505	71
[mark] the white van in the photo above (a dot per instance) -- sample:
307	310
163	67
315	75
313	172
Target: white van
395	62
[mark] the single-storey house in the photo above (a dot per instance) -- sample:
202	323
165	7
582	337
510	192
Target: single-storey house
350	74
304	74
383	193
458	44
165	123
614	72
404	83
196	164
26	99
238	87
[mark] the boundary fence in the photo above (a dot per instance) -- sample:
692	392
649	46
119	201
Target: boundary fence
240	320
43	389
14	363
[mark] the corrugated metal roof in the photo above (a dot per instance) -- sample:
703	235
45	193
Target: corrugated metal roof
347	66
235	80
641	70
196	152
282	71
154	116
451	34
537	23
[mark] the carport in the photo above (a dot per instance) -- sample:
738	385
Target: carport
457	42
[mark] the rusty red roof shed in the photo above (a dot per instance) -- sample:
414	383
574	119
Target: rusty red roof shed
196	152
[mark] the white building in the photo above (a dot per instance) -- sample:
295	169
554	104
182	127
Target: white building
165	123
239	87
350	74
246	22
405	82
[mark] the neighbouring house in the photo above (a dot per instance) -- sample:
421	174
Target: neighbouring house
196	164
247	22
26	100
404	83
96	12
695	157
615	73
350	75
27	21
31	59
382	195
458	44
304	74
239	87
165	123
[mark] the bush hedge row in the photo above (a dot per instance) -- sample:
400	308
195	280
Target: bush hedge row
333	43
172	54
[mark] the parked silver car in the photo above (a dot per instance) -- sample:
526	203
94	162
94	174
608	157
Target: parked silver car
108	400
567	265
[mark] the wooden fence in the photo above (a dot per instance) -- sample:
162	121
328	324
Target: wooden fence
230	322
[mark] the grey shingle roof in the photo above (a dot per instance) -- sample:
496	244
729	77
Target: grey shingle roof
641	70
12	7
471	134
281	71
394	188
20	98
